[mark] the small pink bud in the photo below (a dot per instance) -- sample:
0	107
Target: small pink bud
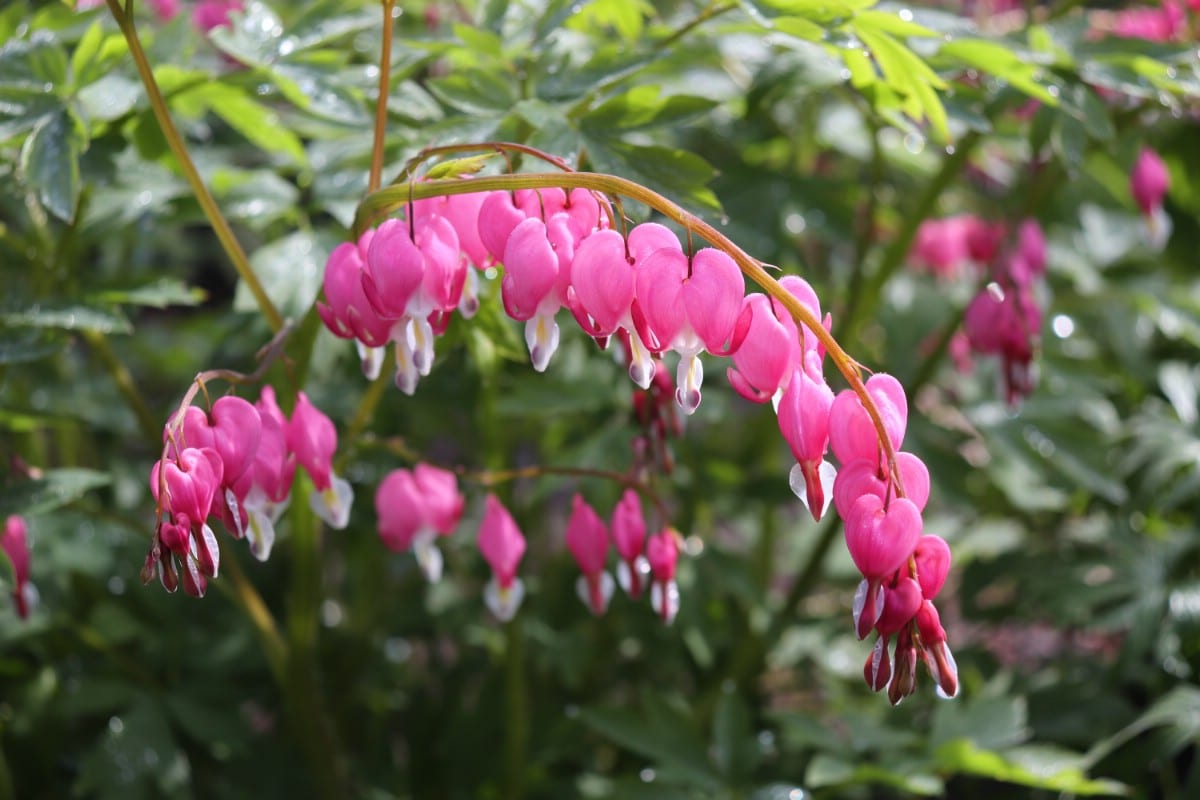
442	499
399	508
1149	181
587	537
15	545
662	551
878	669
932	555
500	541
629	536
900	605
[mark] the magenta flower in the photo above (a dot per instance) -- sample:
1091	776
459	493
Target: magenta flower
932	556
804	422
880	540
862	477
765	359
629	536
587	539
936	652
414	275
312	437
185	488
537	276
662	551
209	14
233	429
1162	23
1148	183
852	434
691	305
503	546
347	312
415	507
1006	322
15	545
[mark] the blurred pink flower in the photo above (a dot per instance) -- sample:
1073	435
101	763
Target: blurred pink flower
15	545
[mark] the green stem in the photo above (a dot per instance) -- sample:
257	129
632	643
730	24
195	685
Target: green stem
516	725
275	649
310	724
212	212
151	428
861	303
391	198
385	72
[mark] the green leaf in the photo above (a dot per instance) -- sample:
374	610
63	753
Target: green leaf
666	740
111	97
890	22
50	162
1001	62
1041	767
644	107
678	173
67	318
163	293
291	270
458	167
257	122
735	750
626	17
29	345
475	91
37	63
56	488
22	108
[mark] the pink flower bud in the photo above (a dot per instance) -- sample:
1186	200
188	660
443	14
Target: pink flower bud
602	282
347	312
852	434
629	536
587	539
15	545
442	500
313	438
900	605
932	555
500	541
191	481
878	669
400	510
1149	181
764	360
662	551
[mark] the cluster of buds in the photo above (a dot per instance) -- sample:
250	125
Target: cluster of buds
1004	318
236	463
15	545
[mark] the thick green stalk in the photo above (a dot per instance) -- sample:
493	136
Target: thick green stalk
212	212
309	723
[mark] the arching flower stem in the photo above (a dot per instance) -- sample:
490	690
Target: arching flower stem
386	200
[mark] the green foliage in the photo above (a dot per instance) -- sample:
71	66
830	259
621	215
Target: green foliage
818	134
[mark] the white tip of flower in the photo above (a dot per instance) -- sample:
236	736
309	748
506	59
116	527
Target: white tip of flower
541	336
503	603
468	304
597	601
798	483
689	376
407	376
212	546
260	533
371	359
418	335
29	594
429	557
641	361
1158	229
235	511
333	504
665	600
776	398
625	576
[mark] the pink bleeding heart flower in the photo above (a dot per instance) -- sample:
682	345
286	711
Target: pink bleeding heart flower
412	275
940	247
312	437
662	551
932	555
880	540
415	507
809	352
1006	323
902	599
462	212
347	312
235	431
852	434
191	479
936	652
210	14
503	546
1148	183
629	536
862	477
804	422
537	269
1031	247
15	545
691	305
587	539
765	359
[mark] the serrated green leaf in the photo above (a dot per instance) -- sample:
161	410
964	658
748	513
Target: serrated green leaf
56	488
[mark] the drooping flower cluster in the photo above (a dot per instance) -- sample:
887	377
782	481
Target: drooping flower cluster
400	283
236	463
1004	318
15	546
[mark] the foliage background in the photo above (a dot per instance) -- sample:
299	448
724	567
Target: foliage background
1076	596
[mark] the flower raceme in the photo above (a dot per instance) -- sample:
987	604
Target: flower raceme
401	283
236	463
